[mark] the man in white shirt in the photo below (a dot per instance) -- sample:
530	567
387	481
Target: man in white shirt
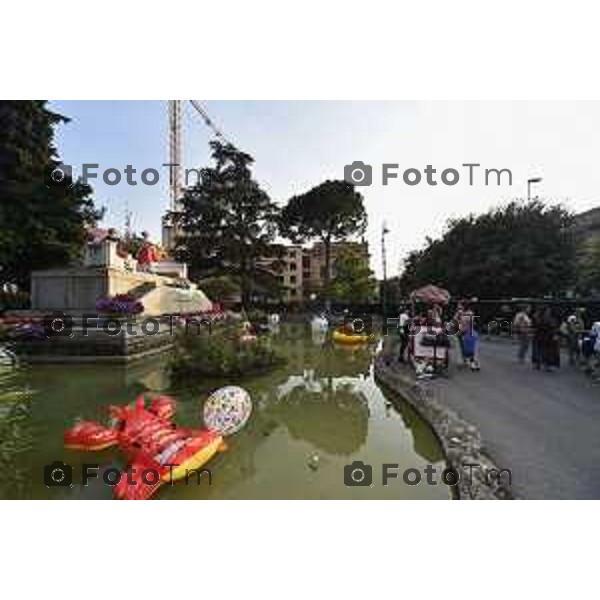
522	329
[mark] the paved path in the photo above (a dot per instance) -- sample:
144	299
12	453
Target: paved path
545	427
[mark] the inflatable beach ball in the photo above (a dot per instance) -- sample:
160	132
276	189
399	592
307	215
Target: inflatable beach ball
227	410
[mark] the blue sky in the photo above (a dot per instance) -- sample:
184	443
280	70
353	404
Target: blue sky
299	144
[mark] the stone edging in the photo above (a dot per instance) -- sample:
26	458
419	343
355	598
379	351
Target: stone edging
460	440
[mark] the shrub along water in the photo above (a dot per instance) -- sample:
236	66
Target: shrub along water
221	353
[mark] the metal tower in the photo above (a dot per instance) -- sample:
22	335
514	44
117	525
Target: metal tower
175	153
171	230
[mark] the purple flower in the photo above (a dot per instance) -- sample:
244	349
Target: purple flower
31	331
120	304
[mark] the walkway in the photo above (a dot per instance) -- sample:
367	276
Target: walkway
544	427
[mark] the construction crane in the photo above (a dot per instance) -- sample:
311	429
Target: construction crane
175	122
175	153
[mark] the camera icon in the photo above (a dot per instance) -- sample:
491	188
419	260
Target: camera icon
358	324
58	325
358	474
58	474
59	176
358	173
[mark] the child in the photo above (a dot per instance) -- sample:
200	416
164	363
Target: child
470	343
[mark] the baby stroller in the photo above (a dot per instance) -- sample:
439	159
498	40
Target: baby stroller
428	351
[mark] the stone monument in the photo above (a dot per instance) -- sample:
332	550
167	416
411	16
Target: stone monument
107	271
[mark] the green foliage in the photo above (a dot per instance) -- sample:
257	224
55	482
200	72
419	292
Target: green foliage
588	267
221	354
521	249
220	287
14	301
131	244
228	221
256	315
329	212
40	227
393	292
7	333
15	441
353	280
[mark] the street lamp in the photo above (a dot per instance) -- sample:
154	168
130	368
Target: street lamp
529	182
384	232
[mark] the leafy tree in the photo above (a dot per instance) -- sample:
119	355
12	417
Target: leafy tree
228	222
521	249
393	292
40	227
353	280
329	212
588	267
131	243
219	287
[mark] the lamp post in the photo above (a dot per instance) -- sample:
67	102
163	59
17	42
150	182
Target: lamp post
529	182
384	232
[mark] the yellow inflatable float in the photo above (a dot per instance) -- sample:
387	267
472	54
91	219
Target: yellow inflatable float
340	337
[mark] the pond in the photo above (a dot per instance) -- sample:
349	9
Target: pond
318	413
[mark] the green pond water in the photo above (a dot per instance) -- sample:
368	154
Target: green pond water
311	417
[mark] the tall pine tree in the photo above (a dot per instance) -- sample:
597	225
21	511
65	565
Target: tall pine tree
331	211
228	222
40	227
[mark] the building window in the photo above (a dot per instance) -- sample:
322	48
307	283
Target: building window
306	262
292	266
292	292
306	275
293	279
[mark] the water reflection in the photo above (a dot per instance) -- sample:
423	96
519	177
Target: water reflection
16	438
324	402
331	414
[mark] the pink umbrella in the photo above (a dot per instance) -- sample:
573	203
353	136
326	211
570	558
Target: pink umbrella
431	294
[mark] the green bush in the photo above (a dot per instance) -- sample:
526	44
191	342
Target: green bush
219	288
14	301
256	315
221	354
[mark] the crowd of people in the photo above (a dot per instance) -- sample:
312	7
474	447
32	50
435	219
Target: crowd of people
540	333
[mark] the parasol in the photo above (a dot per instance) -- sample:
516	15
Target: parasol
431	294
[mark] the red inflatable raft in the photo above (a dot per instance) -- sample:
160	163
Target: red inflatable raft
152	443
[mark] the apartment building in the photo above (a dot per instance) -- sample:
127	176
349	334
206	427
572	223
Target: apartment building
301	271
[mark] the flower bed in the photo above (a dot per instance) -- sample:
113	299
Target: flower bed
121	304
13	329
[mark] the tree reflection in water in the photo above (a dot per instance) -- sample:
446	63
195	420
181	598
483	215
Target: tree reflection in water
15	437
330	413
